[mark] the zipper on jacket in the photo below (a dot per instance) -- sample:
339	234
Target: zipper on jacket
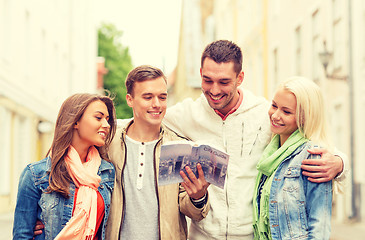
243	131
156	187
121	179
224	135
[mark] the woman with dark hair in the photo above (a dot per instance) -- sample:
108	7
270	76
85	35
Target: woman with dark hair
70	190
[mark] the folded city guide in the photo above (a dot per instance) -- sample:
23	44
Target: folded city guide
176	155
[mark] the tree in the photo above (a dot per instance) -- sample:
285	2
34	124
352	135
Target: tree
119	62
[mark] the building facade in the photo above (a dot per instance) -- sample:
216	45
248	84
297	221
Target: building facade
47	52
283	38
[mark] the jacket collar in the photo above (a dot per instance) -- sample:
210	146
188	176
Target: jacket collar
126	127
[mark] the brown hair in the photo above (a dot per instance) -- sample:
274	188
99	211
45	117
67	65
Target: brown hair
223	51
70	112
140	74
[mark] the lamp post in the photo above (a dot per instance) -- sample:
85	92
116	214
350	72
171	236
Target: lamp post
325	57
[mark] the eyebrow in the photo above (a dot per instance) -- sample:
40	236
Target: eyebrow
221	79
147	94
101	113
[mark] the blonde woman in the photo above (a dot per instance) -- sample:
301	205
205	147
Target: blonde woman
286	204
70	190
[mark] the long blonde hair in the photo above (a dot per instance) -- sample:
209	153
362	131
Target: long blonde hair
70	112
311	114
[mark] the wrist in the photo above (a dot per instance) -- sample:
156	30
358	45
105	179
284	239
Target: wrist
199	203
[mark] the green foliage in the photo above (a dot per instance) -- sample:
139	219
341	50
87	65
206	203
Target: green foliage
118	61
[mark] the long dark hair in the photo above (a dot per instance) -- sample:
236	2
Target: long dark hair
70	112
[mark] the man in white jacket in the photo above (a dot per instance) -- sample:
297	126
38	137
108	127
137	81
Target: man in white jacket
235	120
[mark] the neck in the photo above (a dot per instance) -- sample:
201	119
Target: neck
143	133
82	151
231	104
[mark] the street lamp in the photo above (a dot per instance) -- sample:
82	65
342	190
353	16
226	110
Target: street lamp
325	57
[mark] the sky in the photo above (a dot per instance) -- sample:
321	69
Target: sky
150	29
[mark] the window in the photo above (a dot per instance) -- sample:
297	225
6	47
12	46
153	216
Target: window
338	34
298	51
275	70
5	116
316	47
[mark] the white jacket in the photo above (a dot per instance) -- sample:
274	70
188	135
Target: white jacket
243	135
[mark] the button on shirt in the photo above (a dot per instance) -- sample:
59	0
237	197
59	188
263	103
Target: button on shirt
141	208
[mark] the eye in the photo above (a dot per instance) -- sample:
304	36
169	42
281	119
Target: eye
147	98
273	105
97	117
224	83
163	98
287	112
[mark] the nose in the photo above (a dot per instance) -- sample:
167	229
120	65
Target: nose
105	123
215	89
275	115
156	102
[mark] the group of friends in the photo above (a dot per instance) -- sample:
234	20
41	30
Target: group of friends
100	179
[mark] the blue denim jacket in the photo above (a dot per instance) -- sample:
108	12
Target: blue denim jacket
52	209
299	209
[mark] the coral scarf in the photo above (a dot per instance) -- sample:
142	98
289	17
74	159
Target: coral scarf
83	221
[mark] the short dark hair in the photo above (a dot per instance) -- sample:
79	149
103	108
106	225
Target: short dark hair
223	51
142	73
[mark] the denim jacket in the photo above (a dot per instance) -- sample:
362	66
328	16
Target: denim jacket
52	209
299	209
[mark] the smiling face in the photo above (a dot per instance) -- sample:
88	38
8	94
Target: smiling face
93	127
149	102
219	84
282	114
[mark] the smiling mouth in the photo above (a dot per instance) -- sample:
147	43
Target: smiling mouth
103	134
217	98
276	124
155	113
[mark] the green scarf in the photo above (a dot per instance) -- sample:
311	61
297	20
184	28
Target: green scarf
273	155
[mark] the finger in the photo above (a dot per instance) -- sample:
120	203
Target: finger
319	180
317	150
192	176
200	172
312	162
184	177
315	174
38	227
188	189
38	232
311	168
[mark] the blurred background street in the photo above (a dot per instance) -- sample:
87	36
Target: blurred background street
52	49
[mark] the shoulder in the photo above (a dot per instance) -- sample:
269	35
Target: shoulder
300	154
40	167
37	171
107	169
170	135
106	165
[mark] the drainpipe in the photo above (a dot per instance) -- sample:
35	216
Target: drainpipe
354	187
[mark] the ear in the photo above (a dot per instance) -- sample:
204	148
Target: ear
129	99
201	74
240	78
